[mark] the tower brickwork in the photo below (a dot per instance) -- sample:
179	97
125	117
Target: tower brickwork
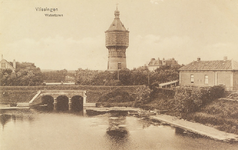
117	41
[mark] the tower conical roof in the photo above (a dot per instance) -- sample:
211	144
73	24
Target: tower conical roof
116	24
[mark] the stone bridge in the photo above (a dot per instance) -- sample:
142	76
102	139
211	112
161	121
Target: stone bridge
60	99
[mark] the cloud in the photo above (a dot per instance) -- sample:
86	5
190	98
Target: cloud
59	53
143	48
218	51
156	1
90	52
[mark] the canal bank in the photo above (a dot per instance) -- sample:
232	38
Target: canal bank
196	128
182	124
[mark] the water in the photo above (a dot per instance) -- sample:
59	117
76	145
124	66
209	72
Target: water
77	131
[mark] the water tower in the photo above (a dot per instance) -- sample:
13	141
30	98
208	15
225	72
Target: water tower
117	41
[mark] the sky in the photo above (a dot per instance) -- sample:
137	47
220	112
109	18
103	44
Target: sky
179	29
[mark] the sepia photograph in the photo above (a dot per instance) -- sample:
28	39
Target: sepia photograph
119	74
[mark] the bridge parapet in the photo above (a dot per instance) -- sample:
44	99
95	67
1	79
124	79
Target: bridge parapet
68	93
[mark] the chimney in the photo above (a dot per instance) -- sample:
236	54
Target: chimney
198	59
2	57
14	64
158	58
152	58
225	58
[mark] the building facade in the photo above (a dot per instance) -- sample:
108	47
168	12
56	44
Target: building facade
117	41
7	65
154	64
210	73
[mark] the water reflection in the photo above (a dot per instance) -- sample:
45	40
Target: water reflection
4	119
117	125
117	132
16	116
74	130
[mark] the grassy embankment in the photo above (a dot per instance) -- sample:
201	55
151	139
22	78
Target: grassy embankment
220	113
16	94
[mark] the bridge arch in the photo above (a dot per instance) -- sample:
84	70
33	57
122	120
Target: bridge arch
62	103
61	99
76	103
48	100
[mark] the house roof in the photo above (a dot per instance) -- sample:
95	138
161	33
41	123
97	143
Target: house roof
158	62
211	65
116	24
154	62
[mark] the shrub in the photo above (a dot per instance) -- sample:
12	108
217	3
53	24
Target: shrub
142	96
190	99
187	100
217	91
116	95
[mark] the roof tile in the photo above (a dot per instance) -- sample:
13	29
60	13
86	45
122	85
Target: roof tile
212	65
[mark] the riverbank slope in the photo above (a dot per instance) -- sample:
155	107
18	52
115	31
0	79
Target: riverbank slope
20	94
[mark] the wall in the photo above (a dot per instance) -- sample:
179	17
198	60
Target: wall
199	78
117	38
235	80
116	43
114	59
214	78
225	77
26	93
14	96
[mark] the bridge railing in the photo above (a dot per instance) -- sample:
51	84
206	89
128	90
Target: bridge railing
62	87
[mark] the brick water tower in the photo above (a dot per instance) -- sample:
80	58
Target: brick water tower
117	41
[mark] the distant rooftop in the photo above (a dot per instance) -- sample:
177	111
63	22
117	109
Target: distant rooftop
212	65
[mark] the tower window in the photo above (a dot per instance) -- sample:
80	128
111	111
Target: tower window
192	78
206	79
119	65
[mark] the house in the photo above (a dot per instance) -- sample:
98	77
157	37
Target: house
210	73
154	64
7	65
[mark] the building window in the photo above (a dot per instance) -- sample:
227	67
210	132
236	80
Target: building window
119	65
206	79
3	65
192	78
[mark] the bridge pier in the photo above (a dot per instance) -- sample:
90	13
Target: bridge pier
67	93
70	104
55	103
84	100
84	97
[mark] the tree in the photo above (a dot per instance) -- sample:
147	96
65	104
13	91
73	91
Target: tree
102	78
164	74
125	77
55	76
26	74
